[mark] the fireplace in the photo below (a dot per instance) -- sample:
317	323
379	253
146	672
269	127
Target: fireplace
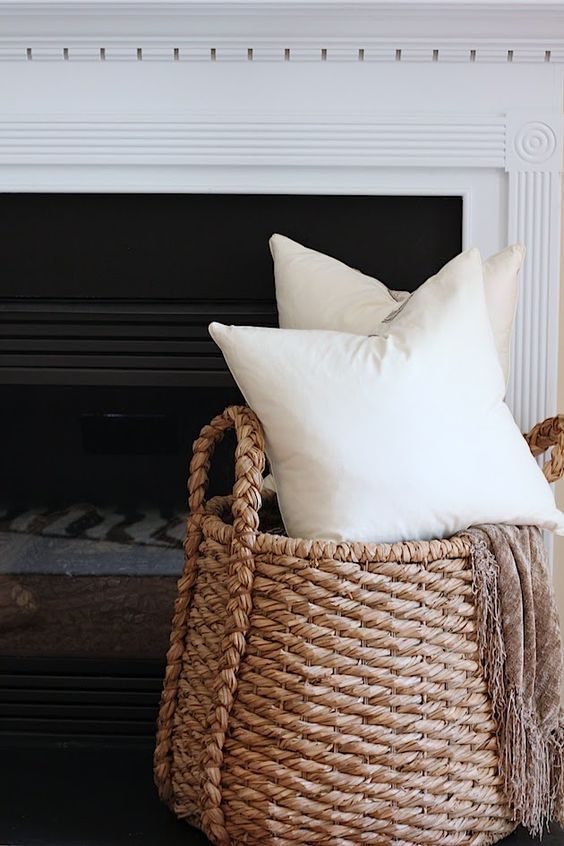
147	151
107	375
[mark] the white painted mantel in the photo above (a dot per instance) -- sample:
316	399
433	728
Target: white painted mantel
288	96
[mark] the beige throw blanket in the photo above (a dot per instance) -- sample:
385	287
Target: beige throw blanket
519	640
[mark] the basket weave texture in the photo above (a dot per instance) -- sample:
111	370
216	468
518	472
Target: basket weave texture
325	693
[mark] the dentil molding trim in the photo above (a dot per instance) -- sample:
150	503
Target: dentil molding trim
281	31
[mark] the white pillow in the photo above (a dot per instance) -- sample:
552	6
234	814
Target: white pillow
315	291
393	437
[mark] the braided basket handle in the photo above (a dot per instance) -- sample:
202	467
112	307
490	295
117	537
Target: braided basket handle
249	460
543	436
246	503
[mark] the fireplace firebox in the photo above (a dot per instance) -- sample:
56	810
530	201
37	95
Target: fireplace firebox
107	373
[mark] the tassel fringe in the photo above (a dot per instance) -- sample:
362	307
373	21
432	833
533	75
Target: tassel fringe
531	759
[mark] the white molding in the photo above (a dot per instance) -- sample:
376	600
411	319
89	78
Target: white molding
243	50
534	163
281	30
534	141
534	201
353	140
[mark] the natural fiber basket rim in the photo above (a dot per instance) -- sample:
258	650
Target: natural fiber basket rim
405	552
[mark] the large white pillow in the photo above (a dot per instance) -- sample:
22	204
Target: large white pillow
315	291
392	437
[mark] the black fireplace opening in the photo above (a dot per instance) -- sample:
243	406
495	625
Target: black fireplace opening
107	374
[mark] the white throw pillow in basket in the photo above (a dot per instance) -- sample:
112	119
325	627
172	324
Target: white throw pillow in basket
315	291
400	435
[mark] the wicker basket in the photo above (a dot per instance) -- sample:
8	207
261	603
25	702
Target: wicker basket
325	693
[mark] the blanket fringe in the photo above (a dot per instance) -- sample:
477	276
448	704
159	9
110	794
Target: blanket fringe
531	760
557	771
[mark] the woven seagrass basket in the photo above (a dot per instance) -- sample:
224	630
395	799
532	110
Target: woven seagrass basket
325	693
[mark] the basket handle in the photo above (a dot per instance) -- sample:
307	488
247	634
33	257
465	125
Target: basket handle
249	463
549	433
246	503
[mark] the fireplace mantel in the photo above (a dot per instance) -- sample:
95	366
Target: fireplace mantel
311	30
453	98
